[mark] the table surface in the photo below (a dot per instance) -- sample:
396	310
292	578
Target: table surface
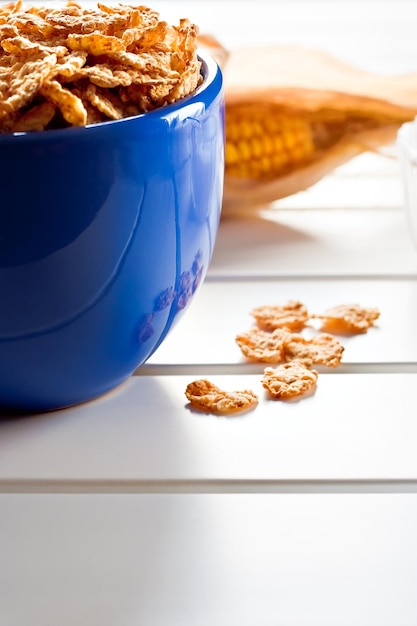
133	509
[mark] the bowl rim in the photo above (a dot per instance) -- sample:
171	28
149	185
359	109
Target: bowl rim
210	71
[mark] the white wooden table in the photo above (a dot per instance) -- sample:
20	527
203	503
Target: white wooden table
133	510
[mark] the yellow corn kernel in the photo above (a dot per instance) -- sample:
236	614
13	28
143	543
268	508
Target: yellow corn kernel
268	145
264	142
244	151
257	147
232	154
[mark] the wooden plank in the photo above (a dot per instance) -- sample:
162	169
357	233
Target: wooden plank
203	560
359	429
206	334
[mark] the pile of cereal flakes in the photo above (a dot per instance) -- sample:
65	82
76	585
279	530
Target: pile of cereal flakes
72	66
276	339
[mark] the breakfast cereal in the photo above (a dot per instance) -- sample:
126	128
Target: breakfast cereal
205	396
289	380
293	316
322	349
260	345
73	65
348	318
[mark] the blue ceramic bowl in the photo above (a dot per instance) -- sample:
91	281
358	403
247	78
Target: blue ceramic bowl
106	233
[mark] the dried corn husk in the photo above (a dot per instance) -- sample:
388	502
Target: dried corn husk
352	109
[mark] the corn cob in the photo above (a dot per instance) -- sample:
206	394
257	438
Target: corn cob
267	141
293	115
262	142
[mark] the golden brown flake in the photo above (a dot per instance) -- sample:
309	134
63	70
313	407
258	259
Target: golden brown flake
69	67
105	103
70	105
293	315
323	349
22	81
37	118
95	44
289	380
102	75
205	396
259	345
348	318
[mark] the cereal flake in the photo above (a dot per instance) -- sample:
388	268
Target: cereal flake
323	349
259	345
289	380
293	316
205	396
348	318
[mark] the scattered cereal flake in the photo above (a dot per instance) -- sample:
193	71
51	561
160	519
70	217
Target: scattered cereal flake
348	318
259	345
323	349
293	315
289	380
283	345
205	396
